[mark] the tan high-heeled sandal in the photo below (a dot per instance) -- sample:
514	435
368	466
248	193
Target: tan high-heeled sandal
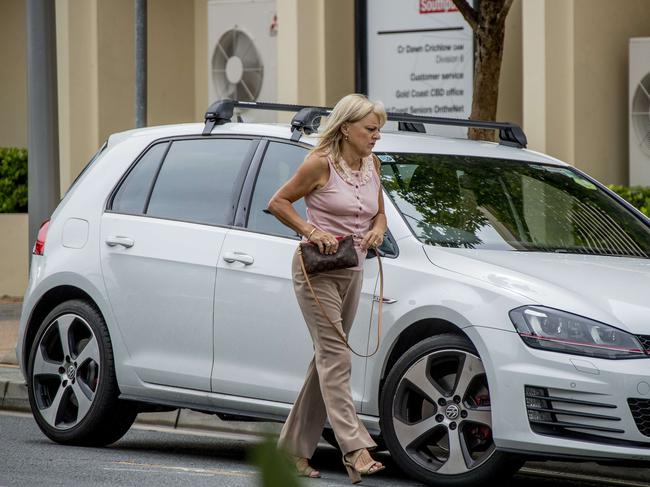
303	469
358	463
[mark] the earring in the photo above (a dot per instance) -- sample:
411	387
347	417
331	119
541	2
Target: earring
346	137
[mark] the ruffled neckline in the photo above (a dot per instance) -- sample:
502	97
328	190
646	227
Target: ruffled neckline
361	177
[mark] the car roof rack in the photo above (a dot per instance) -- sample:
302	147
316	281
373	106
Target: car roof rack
307	120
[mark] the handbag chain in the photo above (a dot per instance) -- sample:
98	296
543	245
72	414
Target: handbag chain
381	300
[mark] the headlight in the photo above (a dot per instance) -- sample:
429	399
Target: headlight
558	331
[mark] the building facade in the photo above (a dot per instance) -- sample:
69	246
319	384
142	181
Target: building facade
564	77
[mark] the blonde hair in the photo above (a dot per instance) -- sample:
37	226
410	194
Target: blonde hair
349	109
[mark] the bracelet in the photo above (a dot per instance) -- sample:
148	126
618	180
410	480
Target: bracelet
311	233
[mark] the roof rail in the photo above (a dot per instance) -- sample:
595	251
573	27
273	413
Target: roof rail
307	120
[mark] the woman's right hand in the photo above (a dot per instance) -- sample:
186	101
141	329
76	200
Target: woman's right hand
326	242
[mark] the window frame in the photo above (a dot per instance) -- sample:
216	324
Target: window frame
239	180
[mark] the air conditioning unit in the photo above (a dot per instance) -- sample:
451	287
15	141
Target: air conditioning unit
639	129
242	46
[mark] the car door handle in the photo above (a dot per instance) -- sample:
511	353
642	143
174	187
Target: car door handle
242	257
125	242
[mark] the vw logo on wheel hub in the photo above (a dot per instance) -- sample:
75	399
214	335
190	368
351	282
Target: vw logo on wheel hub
452	411
71	372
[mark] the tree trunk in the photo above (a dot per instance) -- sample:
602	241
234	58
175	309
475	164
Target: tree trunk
488	24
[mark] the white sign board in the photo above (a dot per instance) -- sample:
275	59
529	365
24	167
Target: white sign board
420	57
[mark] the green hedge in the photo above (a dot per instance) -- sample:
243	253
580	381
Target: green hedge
13	180
638	196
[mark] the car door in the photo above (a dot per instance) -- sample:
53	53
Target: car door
160	240
262	346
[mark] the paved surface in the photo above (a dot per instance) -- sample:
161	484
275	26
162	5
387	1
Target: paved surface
160	457
13	397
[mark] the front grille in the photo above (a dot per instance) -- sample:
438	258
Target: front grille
640	409
564	413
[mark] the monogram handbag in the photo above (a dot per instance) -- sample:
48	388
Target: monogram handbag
312	262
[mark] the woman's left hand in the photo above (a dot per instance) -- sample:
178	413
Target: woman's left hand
373	238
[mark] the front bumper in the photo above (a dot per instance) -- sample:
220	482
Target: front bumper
592	418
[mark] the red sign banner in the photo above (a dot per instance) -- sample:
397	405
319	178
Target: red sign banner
437	6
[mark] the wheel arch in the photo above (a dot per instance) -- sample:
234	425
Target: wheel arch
46	303
414	333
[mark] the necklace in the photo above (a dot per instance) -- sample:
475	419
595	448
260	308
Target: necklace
347	175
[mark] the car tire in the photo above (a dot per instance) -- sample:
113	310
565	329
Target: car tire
435	416
72	388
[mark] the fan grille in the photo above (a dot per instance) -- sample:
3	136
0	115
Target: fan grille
641	113
237	69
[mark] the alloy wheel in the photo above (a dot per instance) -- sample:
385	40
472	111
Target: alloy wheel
65	371
441	412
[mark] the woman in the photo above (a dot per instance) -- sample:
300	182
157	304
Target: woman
339	180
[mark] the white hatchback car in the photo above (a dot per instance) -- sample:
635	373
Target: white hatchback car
516	316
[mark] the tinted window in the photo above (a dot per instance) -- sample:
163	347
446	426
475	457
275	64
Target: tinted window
280	162
132	195
477	202
197	180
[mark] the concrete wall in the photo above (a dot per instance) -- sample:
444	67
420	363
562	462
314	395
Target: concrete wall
15	253
575	80
315	51
602	31
171	44
339	49
201	59
13	80
560	87
509	107
116	66
78	85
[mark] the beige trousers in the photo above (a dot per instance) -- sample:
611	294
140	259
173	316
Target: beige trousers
326	391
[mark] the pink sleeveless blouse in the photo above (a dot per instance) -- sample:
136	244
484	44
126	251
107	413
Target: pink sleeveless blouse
343	208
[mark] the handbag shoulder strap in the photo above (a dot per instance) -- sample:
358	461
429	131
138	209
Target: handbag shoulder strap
381	300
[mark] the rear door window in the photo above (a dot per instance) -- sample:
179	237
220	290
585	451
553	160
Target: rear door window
198	181
280	163
132	195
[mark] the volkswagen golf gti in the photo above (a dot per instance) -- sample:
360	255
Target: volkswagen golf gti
515	309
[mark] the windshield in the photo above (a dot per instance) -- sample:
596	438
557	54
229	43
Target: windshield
479	202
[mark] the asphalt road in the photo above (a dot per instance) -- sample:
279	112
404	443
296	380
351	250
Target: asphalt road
160	457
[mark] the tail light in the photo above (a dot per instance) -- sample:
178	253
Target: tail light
39	246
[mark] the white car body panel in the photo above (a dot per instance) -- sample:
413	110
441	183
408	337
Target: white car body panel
580	284
258	370
265	355
162	285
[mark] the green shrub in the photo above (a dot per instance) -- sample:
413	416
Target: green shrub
637	196
13	180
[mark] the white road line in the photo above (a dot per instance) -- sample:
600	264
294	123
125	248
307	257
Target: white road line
149	467
583	477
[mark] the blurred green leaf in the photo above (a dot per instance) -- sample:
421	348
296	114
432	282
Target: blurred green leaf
275	468
637	196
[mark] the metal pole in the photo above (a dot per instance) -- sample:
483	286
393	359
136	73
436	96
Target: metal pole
361	46
43	190
140	63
